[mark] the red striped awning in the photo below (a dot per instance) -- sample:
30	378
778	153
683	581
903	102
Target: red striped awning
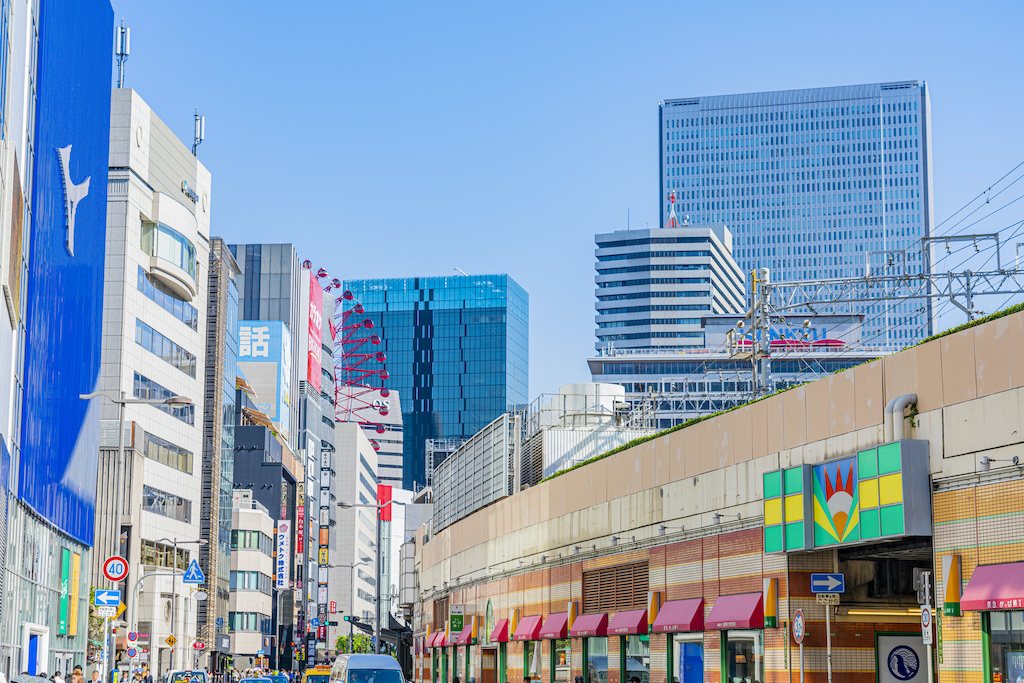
995	586
589	625
528	629
432	641
500	632
555	626
745	610
632	622
678	616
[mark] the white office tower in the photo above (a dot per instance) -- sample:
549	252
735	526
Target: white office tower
816	183
653	286
154	347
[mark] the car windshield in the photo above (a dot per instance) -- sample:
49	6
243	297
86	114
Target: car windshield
375	676
317	678
278	678
255	680
188	677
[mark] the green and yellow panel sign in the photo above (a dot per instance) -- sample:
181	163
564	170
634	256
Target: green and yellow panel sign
878	493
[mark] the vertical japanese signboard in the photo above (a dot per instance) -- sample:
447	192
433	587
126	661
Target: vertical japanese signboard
324	536
65	578
316	319
281	560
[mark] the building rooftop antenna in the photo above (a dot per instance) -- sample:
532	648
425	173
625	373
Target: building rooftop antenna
200	132
121	49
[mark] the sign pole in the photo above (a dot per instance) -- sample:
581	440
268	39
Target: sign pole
801	661
828	642
106	649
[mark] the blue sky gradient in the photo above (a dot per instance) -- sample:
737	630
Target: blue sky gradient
400	139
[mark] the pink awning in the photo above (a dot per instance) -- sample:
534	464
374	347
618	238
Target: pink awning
465	637
995	586
500	632
432	641
736	611
588	625
528	629
555	626
633	622
680	615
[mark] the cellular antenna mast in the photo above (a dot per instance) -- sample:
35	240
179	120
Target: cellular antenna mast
121	48
200	133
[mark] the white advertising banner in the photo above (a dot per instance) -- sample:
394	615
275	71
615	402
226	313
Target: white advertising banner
901	659
284	552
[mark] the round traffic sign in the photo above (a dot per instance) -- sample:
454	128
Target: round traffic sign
198	645
132	652
798	626
132	636
115	568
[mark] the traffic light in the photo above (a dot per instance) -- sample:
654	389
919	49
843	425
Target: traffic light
346	618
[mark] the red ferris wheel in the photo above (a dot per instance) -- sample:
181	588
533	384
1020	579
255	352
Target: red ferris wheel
359	372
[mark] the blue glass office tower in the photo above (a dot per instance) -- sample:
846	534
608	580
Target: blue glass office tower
814	183
457	352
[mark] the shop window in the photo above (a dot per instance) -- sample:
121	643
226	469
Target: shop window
597	660
532	659
638	659
1006	646
688	658
561	661
743	657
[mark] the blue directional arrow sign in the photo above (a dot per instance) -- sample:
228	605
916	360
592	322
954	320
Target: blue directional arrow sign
828	583
314	622
107	597
193	574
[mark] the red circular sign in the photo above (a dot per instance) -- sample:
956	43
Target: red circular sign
199	645
115	568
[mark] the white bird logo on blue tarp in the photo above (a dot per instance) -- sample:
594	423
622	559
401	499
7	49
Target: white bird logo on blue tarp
73	194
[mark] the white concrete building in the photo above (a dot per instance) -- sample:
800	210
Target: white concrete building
354	588
154	324
252	575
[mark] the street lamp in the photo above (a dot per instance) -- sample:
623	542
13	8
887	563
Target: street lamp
345	505
174	581
352	604
176	401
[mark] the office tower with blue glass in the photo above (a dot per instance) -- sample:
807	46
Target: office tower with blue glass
816	183
457	353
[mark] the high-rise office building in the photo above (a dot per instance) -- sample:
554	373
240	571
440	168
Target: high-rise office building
457	353
154	348
815	183
653	286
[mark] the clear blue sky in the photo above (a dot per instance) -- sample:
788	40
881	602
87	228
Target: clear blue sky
409	138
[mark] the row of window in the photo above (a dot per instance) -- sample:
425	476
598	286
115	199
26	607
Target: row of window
648	309
155	554
689	367
161	346
657	281
250	621
650	322
654	295
901	108
181	310
246	539
252	581
651	254
651	335
166	504
143	387
166	453
653	267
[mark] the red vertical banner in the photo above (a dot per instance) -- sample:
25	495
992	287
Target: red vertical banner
316	320
384	496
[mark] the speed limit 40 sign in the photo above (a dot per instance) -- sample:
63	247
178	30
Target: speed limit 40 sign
115	568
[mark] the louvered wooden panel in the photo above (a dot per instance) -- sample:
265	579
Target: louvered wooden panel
440	613
612	589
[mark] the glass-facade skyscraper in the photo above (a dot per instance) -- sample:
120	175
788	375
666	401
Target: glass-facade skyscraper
457	353
815	183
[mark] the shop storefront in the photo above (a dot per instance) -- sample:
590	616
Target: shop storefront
630	627
592	629
528	632
682	622
740	621
997	591
499	635
555	632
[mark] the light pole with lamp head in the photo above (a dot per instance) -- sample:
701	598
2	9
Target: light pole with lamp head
345	505
174	582
174	401
352	604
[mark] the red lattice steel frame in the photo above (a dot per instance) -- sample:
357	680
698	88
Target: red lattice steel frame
359	372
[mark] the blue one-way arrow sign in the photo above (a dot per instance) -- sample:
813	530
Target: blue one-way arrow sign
193	574
107	597
828	583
